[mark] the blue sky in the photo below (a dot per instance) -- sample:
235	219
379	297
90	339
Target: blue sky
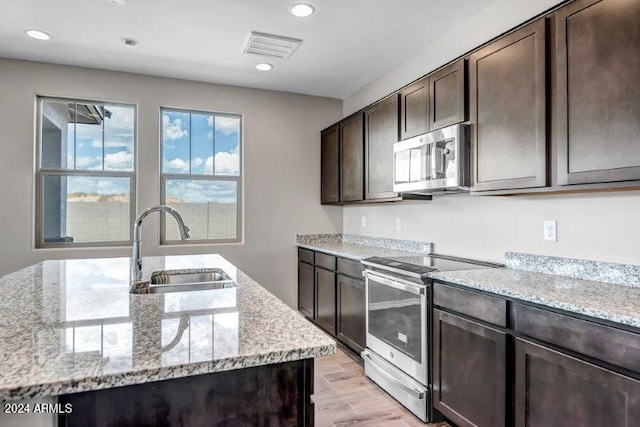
119	134
200	133
200	141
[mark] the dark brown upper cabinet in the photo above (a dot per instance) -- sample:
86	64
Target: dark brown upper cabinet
330	161
597	56
381	132
508	111
447	100
352	158
414	109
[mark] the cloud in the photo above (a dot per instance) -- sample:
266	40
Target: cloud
172	129
227	163
122	160
176	165
119	141
88	162
196	162
202	191
98	185
227	125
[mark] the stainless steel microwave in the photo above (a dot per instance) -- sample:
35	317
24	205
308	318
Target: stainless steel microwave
434	162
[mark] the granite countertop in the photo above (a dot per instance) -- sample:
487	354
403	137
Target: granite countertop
361	247
354	251
612	302
71	326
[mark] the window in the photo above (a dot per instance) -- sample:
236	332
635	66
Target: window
202	175
86	173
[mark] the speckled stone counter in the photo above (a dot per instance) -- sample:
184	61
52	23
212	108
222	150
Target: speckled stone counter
612	302
360	247
608	272
71	326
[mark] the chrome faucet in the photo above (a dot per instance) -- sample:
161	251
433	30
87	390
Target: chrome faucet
136	260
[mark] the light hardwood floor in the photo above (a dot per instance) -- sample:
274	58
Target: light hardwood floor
343	396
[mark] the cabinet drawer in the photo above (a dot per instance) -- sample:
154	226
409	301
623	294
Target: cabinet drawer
615	346
350	268
483	307
305	255
326	261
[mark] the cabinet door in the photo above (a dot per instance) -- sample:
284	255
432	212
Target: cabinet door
553	389
351	312
469	371
381	132
508	111
447	95
352	159
306	289
597	53
414	109
326	299
330	161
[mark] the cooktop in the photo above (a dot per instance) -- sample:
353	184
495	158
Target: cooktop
420	266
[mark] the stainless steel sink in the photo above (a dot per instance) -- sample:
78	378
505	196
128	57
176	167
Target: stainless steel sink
186	280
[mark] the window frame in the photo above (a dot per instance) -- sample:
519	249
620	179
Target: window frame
41	173
164	176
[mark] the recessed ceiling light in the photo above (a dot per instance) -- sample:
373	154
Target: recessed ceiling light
130	42
264	66
118	2
38	35
302	10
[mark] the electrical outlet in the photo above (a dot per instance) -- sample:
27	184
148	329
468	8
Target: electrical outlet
398	224
363	221
551	231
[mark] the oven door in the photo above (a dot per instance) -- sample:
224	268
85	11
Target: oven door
396	320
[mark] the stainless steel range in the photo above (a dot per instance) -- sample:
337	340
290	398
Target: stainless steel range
398	323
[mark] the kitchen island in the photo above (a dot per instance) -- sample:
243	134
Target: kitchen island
71	333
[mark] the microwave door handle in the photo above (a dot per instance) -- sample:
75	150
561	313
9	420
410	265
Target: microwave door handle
413	392
401	285
432	161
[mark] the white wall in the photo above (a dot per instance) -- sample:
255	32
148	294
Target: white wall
281	155
599	226
494	19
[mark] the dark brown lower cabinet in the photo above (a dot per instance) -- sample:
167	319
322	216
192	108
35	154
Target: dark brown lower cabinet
326	299
351	312
554	389
306	289
276	394
469	371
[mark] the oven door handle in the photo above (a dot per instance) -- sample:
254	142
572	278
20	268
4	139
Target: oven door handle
413	392
395	283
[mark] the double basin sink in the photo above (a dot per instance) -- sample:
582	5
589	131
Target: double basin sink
203	279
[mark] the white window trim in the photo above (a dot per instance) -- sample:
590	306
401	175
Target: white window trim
205	177
40	244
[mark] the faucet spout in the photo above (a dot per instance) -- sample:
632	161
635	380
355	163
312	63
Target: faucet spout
136	259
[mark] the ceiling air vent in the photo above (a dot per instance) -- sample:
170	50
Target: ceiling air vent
270	46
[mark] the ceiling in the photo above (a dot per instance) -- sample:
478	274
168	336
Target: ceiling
346	44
